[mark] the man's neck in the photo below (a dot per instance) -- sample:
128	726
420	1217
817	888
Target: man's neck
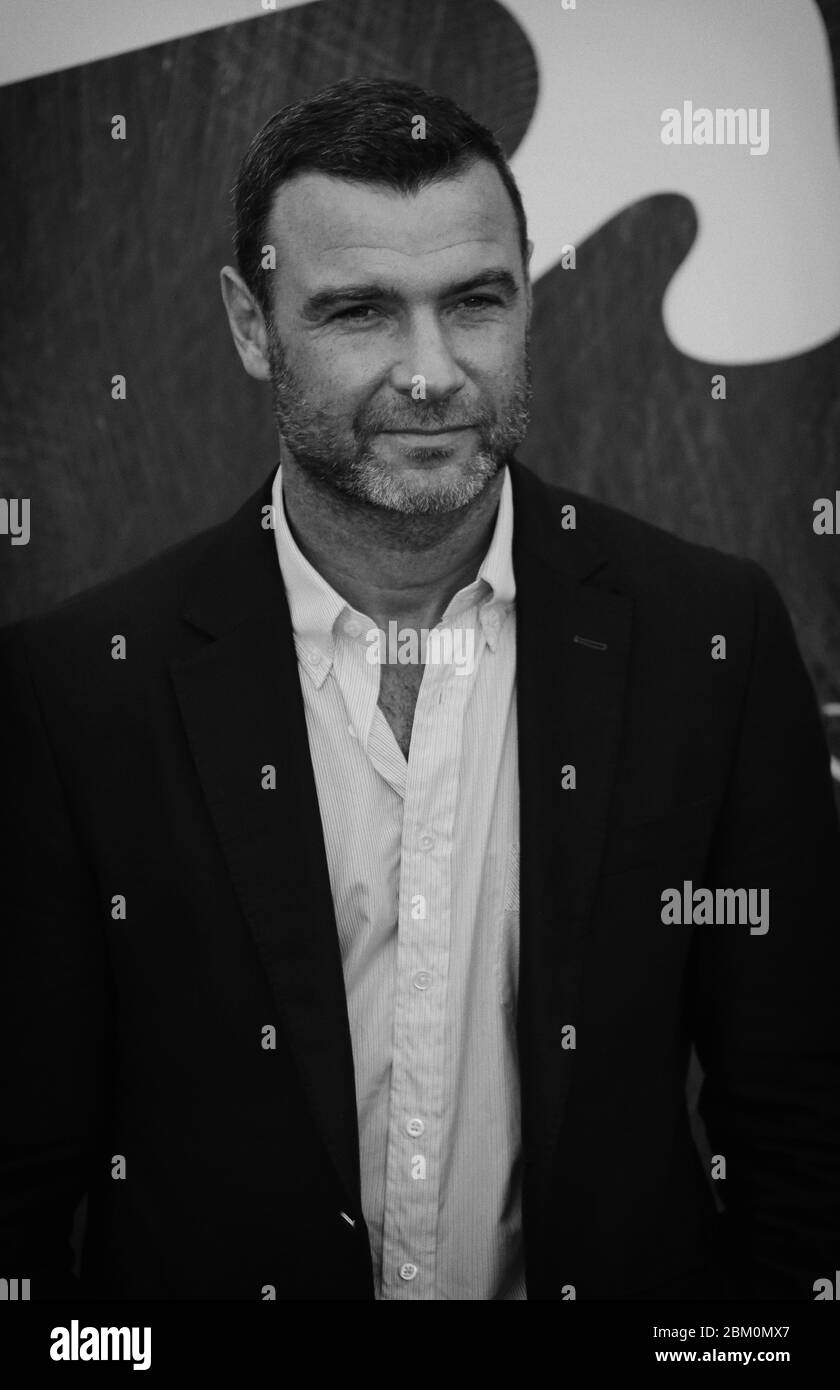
388	565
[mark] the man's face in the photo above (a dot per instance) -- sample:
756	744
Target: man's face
398	342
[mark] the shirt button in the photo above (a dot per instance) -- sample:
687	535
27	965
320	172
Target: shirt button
426	841
422	979
408	1271
415	1128
316	657
352	627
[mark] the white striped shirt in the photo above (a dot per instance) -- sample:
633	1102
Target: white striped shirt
423	858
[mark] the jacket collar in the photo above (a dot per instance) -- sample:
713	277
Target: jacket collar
239	573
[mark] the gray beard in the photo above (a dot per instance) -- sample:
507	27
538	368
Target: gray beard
321	451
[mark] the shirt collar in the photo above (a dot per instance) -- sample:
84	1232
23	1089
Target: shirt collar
319	614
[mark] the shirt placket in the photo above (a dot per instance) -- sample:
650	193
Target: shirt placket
417	1094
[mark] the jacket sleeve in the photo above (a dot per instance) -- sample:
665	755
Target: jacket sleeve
52	997
765	1009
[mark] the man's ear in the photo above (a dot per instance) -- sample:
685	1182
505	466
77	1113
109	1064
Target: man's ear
247	324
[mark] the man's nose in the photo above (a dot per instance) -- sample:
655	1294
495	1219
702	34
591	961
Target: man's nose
427	368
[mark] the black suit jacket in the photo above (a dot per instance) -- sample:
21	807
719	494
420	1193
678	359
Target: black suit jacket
143	1037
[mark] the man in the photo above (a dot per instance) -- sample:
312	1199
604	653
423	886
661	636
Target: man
379	854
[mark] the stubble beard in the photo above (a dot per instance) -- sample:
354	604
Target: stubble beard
358	473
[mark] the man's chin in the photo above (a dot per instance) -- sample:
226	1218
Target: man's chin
434	481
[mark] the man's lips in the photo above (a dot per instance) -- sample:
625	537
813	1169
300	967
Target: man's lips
451	429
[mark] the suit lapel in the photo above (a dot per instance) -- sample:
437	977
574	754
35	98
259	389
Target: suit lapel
569	703
242	707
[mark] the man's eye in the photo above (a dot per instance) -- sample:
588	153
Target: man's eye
479	301
359	312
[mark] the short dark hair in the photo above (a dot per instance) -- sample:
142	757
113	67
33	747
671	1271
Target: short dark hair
358	129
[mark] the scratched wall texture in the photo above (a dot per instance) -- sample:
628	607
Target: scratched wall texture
110	256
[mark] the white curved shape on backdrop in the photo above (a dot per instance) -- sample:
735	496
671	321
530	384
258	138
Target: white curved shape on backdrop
762	279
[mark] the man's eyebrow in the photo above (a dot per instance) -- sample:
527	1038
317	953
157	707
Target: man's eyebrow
316	304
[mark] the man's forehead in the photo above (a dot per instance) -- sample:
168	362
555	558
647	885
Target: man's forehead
318	220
